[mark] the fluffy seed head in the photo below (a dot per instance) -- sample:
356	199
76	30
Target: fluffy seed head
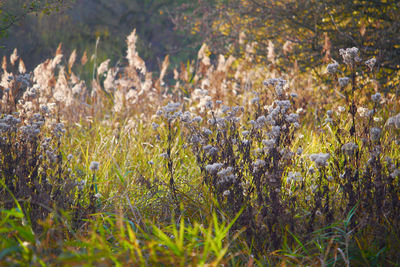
94	166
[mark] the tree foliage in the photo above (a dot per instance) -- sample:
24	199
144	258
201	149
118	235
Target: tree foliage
13	11
304	31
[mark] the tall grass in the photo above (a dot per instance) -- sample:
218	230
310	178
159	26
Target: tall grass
233	164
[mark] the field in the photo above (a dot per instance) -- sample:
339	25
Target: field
217	162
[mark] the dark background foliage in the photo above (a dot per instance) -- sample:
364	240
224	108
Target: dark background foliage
37	32
302	31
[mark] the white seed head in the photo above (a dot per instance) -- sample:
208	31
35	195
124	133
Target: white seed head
344	81
94	166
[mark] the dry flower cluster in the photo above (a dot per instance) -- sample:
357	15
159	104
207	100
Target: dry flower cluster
287	158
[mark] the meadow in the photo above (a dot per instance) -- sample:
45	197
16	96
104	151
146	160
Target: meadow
219	162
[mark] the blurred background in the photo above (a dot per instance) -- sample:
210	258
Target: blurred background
41	27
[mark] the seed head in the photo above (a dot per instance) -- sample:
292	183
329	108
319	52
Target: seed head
226	193
371	63
376	97
154	125
375	133
94	166
350	55
344	81
332	68
213	168
320	159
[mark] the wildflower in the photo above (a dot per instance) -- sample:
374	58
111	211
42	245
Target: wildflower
350	55
207	147
371	63
255	100
332	68
45	109
177	114
394	121
320	159
94	166
270	143
349	148
292	118
245	133
220	122
98	195
278	83
51	156
212	121
213	168
150	162
171	107
81	185
377	119
226	173
29	131
209	104
164	155
226	193
259	163
341	109
218	102
329	178
260	122
59	129
275	132
195	139
224	109
186	117
197	119
328	120
395	173
376	97
364	112
375	133
294	176
10	120
69	157
283	105
299	151
213	151
4	127
207	131
344	81
154	125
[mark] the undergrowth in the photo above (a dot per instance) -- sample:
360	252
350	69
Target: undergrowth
233	164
